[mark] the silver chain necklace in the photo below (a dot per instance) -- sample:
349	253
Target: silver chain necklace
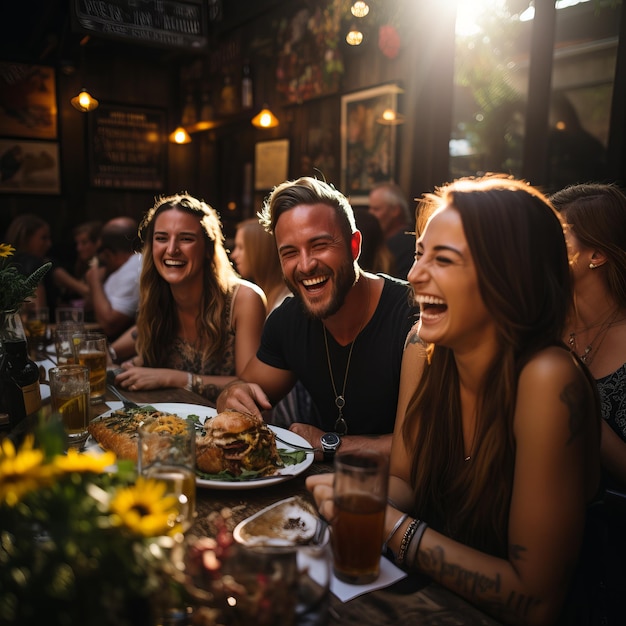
341	426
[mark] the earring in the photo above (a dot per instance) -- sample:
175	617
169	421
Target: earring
592	266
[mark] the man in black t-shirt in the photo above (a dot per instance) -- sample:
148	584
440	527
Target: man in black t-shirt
342	335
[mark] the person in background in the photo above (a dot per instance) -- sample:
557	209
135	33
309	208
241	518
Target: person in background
343	333
596	234
199	323
114	293
256	258
375	255
87	243
495	453
30	236
389	205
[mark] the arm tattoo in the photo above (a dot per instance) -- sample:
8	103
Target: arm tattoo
572	396
475	586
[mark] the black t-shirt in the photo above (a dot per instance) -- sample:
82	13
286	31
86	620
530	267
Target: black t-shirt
293	341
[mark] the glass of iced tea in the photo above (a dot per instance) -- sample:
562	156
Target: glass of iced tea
169	455
360	498
91	349
69	396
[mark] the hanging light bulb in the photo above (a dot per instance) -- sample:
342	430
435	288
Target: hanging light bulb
180	136
354	37
359	9
390	117
84	101
265	119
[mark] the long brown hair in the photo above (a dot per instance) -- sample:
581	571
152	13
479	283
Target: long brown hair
517	243
157	321
596	213
262	255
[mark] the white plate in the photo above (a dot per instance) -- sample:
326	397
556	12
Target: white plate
283	474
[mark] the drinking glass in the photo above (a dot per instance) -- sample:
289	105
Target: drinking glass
36	325
69	314
360	498
171	457
69	396
66	342
92	352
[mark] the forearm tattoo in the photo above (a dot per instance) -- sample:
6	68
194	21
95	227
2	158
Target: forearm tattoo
478	588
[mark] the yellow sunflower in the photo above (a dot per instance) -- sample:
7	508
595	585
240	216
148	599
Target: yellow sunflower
6	250
145	509
76	461
21	471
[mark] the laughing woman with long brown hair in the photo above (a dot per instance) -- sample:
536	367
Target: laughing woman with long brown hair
199	323
495	454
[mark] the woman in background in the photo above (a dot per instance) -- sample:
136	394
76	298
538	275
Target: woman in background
596	331
30	236
198	323
256	259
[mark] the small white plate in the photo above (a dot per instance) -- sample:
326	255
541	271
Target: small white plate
290	522
282	474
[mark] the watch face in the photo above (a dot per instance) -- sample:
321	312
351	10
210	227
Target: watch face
330	441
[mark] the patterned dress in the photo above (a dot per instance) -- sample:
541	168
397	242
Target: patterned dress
186	356
612	390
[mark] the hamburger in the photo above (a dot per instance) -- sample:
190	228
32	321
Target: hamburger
236	442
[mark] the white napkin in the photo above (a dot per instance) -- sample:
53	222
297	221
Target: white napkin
389	574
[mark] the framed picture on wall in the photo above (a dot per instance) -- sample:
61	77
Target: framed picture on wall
29	166
28	101
368	140
271	163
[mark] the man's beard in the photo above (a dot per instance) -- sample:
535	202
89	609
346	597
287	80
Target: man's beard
345	279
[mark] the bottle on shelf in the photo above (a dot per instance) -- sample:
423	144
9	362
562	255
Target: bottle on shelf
20	393
247	95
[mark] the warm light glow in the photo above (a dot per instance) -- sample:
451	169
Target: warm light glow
180	136
359	9
354	37
390	117
84	102
265	119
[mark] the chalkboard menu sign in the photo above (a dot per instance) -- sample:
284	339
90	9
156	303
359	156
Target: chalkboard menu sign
163	23
127	148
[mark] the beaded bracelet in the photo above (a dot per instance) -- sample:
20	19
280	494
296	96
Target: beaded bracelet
414	544
393	530
188	386
408	535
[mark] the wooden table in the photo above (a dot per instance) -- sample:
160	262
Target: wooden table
414	600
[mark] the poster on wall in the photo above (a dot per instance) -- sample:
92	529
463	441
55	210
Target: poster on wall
127	147
368	140
29	167
28	102
271	163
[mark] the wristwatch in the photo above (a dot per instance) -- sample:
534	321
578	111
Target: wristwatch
330	443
